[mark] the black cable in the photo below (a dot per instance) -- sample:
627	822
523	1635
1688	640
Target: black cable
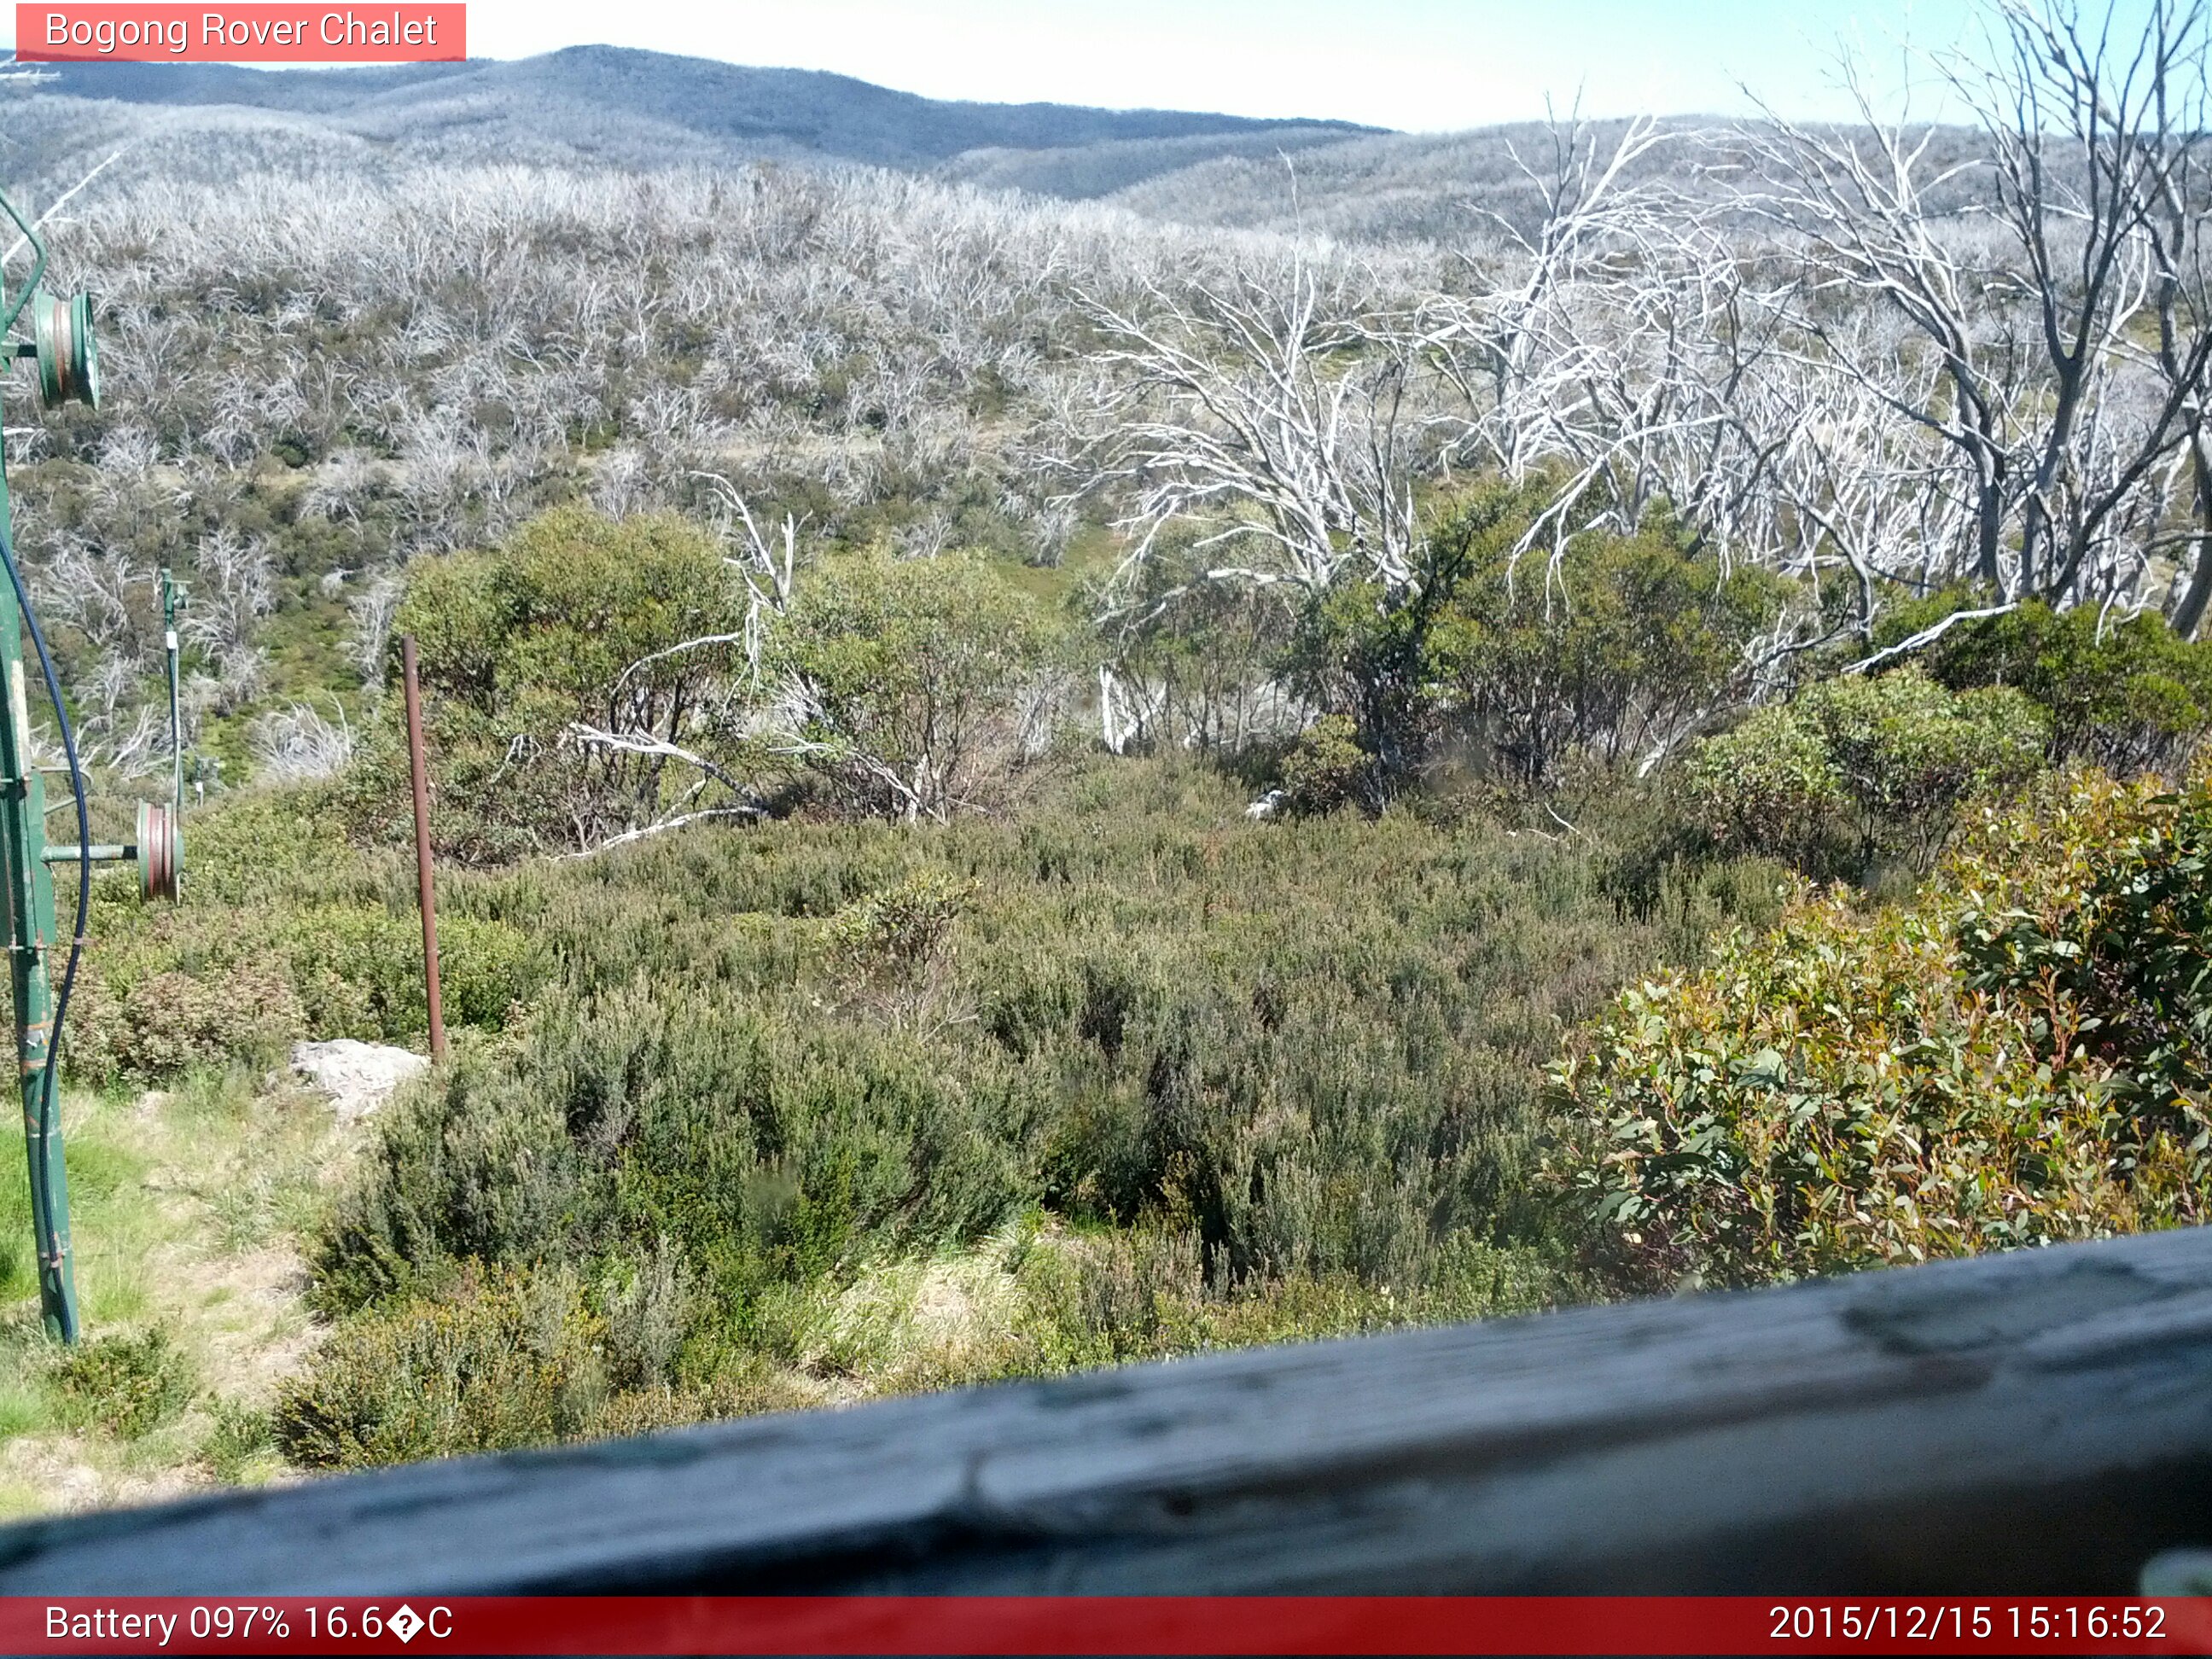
47	1101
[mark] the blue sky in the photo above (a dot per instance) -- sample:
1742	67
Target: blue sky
1422	64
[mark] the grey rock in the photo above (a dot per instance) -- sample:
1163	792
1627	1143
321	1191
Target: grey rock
359	1077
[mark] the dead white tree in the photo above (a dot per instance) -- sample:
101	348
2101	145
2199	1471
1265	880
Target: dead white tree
370	613
1857	202
766	567
2096	133
300	744
1287	416
237	587
1513	344
2047	277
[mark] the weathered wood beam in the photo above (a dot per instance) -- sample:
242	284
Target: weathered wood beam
2039	1422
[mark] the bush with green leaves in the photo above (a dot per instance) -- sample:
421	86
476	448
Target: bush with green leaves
1614	649
574	623
1857	765
238	1435
902	925
358	970
918	682
2021	1054
212	986
1604	645
1768	786
1908	754
1111	1298
499	1361
1326	768
2126	693
165	1024
127	1383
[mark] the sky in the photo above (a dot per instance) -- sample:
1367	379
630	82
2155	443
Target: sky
1427	66
1423	65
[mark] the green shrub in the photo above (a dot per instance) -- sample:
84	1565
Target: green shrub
1110	1297
127	1384
649	1313
1105	1298
1612	649
258	848
574	621
285	931
480	1164
903	926
1768	786
169	1022
2128	694
1594	643
1910	754
1205	652
504	1361
911	671
150	1007
1875	764
239	1434
2022	1054
2094	918
359	971
1326	768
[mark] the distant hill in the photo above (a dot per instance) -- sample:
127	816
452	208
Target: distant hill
644	108
1086	171
611	107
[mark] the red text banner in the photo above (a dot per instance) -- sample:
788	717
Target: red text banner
255	33
1100	1625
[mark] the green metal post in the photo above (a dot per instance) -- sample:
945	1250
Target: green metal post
69	370
30	905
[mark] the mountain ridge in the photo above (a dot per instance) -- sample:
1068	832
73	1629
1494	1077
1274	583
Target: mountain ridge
580	95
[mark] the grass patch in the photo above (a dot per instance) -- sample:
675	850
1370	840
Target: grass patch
188	1209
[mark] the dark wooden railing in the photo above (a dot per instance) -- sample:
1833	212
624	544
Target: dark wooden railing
2039	1423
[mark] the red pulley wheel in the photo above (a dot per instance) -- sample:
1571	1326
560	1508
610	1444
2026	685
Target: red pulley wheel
160	852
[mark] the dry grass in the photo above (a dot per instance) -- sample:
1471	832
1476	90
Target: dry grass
189	1208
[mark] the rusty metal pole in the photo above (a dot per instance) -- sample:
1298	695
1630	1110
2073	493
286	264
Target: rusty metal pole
421	778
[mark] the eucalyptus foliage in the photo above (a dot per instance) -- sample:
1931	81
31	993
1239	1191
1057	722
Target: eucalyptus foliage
2021	1054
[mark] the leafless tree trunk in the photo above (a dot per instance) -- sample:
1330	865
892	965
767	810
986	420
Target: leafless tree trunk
2096	141
1284	415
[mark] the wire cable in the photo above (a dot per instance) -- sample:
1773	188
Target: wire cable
48	1104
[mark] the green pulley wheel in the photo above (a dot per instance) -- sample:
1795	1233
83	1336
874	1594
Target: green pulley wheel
160	852
68	362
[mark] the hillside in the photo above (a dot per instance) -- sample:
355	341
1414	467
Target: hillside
611	105
602	107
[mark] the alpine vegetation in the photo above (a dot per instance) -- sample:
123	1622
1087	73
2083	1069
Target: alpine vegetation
1275	743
